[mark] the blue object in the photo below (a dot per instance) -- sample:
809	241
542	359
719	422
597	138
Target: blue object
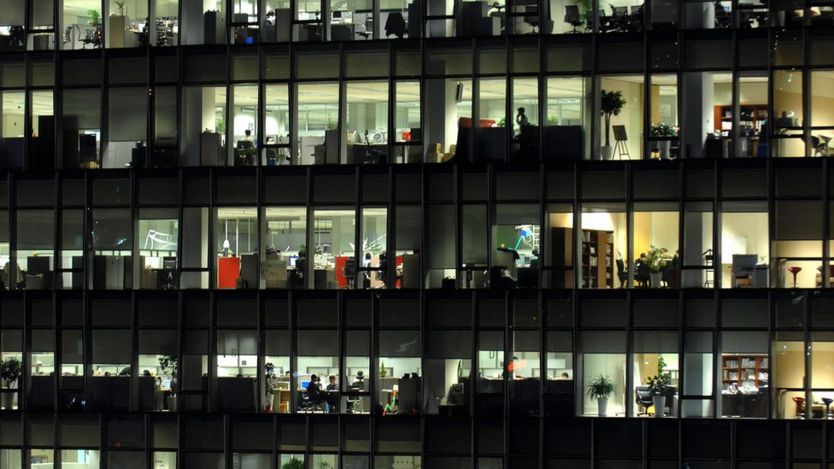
304	384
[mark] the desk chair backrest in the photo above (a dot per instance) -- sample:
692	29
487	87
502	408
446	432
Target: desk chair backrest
619	11
643	396
572	14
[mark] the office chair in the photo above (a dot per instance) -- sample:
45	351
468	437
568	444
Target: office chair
572	17
622	272
643	399
820	144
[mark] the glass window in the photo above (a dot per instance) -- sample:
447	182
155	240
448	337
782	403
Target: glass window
448	372
374	238
81	458
112	242
449	102
195	248
318	124
333	250
203	126
165	126
407	128
698	258
366	122
399	371
81	24
797	246
158	232
698	377
578	16
744	374
244	131
604	246
12	106
35	248
166	21
127	128
655	245
788	119
491	132
604	373
128	23
745	245
276	132
204	22
656	363
621	15
245	24
82	128
621	126
663	117
568	118
277	374
350	20
751	121
307	21
236	247
516	237
285	239
318	371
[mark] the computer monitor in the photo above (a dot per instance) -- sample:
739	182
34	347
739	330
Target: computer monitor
304	384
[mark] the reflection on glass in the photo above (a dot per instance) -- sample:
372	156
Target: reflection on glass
158	234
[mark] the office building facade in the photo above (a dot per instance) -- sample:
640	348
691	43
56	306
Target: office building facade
443	234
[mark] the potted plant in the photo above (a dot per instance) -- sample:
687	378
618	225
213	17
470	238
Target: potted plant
663	134
10	371
656	259
95	18
611	103
382	372
660	387
293	463
600	388
169	364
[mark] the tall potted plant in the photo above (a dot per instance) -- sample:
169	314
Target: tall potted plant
293	463
660	387
657	258
600	388
10	371
169	365
117	25
663	134
611	103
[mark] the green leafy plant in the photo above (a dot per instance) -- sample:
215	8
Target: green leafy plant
331	124
657	258
600	387
269	368
660	384
10	371
293	463
168	364
611	103
663	130
382	372
120	4
95	17
586	11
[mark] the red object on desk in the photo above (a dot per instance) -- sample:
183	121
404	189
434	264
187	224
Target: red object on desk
228	271
341	280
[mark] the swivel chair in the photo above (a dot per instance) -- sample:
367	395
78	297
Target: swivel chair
643	399
572	17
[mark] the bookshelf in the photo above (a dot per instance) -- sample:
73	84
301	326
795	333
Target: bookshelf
742	368
597	259
752	115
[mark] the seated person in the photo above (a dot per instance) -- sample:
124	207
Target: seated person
245	150
314	391
642	273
